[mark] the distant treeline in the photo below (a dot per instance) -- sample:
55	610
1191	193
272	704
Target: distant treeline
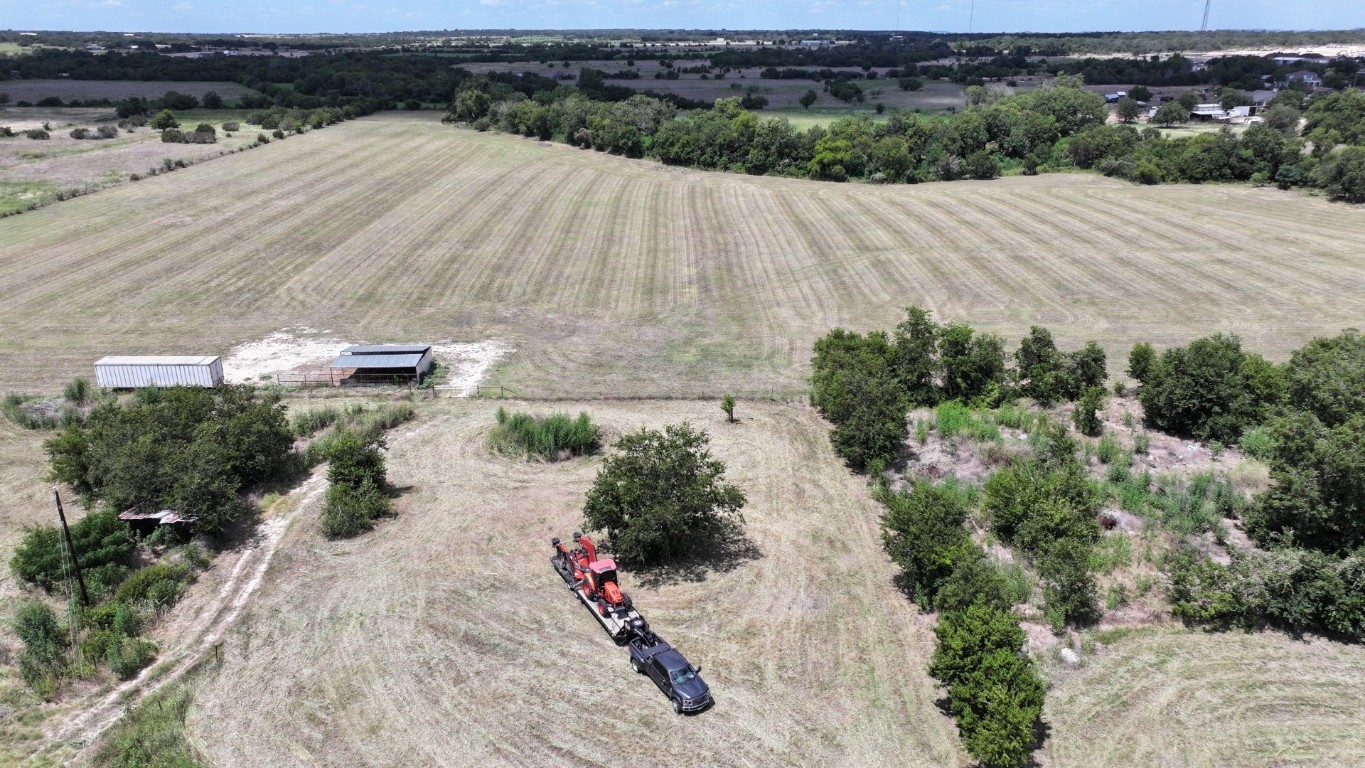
1049	129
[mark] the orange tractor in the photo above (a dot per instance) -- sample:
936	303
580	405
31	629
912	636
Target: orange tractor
594	581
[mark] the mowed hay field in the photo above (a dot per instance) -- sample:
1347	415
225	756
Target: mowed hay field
444	637
618	277
1208	700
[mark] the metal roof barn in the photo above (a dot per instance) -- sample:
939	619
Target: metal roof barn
134	371
384	362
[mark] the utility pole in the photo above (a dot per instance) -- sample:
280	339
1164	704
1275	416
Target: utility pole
70	547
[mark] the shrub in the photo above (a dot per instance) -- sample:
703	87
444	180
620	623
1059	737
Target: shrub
554	437
1085	415
1069	590
306	423
351	510
1210	390
28	412
78	391
100	539
1318	497
993	690
173	136
354	460
42	662
107	132
38	134
80	133
661	496
1141	360
1108	450
159	586
231	127
922	531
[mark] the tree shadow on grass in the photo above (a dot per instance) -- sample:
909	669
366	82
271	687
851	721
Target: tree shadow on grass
719	557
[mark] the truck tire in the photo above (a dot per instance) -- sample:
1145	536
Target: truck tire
677	706
635	665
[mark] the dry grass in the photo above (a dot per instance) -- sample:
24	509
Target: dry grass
33	90
444	638
35	171
1209	700
619	277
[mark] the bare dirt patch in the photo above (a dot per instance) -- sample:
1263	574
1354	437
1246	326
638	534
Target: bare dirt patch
308	349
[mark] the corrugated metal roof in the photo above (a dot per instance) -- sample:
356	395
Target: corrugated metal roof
377	361
156	360
386	349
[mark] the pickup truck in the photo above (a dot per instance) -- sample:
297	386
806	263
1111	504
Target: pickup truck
679	680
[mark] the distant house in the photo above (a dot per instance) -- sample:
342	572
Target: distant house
1206	113
1306	76
816	43
1115	96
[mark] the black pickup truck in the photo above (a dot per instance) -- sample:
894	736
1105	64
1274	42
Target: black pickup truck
680	681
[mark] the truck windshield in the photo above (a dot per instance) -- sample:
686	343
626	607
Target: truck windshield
679	676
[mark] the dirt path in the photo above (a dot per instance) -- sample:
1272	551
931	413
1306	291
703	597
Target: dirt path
82	729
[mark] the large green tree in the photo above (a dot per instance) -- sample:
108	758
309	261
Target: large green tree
661	496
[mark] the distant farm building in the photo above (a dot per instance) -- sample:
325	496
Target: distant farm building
1307	77
378	363
134	371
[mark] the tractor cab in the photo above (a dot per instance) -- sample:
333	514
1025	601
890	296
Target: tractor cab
603	572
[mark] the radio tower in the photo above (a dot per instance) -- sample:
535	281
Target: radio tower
1204	25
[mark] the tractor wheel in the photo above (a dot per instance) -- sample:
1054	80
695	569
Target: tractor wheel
677	706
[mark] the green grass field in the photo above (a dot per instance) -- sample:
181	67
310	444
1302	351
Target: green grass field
33	90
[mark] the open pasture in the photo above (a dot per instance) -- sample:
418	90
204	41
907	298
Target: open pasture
1208	700
617	277
445	638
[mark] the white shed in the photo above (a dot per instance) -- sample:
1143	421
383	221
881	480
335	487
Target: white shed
131	372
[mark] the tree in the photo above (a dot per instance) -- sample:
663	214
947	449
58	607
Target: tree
1318	497
994	691
212	100
1210	390
909	83
661	496
1326	377
163	120
1085	417
1141	360
922	531
1342	175
808	98
727	404
1171	113
1140	93
1284	119
1127	109
871	431
971	362
916	356
1069	591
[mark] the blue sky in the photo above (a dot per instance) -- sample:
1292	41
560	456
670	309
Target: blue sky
940	15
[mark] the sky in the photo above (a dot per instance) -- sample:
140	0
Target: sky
298	16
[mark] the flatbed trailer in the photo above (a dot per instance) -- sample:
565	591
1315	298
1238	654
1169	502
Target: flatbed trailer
619	622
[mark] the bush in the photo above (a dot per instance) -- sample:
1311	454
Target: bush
163	120
42	662
351	510
173	136
994	691
1318	497
1210	390
80	133
151	734
307	423
28	412
355	460
554	437
38	134
100	539
159	586
78	391
1069	591
1085	415
107	132
231	127
922	530
661	496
